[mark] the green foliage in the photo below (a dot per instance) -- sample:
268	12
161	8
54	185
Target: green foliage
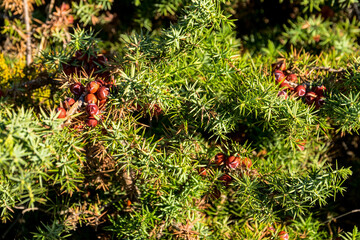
183	94
316	33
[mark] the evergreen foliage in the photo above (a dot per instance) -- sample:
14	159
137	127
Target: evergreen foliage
181	95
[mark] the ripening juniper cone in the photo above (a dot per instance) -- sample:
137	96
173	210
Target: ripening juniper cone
233	162
220	158
90	98
62	111
92	109
92	87
77	88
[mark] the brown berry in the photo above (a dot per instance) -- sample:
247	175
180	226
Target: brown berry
300	90
279	76
92	87
292	78
2	94
319	101
62	113
232	162
90	98
102	93
77	88
310	97
226	179
220	158
91	122
92	109
246	162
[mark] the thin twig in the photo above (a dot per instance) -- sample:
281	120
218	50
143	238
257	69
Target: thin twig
329	69
343	215
51	6
39	82
49	15
28	32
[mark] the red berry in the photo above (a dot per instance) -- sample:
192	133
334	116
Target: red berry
292	78
90	98
91	122
202	171
285	86
100	82
69	102
283	235
281	65
310	97
226	179
102	93
300	90
233	162
77	88
246	162
62	113
92	109
220	158
92	87
319	90
279	76
282	94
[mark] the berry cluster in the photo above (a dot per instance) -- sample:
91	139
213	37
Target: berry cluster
288	84
227	164
94	94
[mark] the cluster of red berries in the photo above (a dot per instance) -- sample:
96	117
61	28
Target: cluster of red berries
228	163
288	84
95	93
